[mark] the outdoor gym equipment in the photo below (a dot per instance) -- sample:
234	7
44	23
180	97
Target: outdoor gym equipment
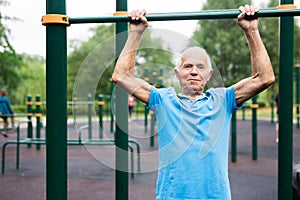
202	15
38	141
56	23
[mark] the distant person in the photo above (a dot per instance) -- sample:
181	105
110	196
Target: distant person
277	121
5	109
131	103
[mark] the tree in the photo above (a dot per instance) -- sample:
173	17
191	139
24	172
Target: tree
225	43
33	77
10	62
91	62
269	29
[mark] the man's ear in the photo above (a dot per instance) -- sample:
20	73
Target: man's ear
176	71
210	74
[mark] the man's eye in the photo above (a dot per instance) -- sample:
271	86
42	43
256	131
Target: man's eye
187	66
200	67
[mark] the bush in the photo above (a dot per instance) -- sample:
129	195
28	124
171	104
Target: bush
19	108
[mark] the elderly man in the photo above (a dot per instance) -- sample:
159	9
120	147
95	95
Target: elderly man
193	126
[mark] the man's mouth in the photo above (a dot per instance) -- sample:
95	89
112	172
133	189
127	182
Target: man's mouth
193	80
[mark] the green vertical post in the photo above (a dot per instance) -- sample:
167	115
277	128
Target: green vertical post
56	94
146	111
297	70
160	76
137	109
100	114
74	107
90	130
233	137
121	135
38	115
152	134
243	112
146	74
285	147
154	78
111	107
254	107
29	115
18	148
272	107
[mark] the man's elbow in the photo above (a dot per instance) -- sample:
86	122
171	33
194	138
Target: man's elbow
115	78
268	81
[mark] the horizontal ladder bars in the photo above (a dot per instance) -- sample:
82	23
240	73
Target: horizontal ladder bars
201	15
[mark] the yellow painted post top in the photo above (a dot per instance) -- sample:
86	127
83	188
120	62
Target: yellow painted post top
38	103
120	13
254	106
55	19
100	103
286	7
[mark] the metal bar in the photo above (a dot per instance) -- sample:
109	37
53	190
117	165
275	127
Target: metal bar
297	70
200	15
286	65
18	142
3	158
29	114
121	134
38	118
254	128
233	137
272	107
56	95
100	115
90	113
152	130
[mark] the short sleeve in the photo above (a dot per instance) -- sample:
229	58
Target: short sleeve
230	95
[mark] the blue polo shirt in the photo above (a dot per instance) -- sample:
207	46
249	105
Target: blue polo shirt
193	139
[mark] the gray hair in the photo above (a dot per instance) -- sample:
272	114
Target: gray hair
190	49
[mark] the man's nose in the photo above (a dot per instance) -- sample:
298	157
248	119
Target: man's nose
194	70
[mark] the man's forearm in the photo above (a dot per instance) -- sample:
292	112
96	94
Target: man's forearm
261	64
126	61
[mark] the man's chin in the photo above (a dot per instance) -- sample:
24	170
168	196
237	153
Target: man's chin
195	89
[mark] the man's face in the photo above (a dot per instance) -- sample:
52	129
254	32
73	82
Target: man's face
193	73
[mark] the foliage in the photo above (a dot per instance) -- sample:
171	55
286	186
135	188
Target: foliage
10	62
91	62
226	44
269	30
33	77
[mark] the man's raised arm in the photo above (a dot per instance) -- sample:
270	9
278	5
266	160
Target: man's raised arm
262	71
124	70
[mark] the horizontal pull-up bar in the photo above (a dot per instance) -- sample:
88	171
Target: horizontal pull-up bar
205	14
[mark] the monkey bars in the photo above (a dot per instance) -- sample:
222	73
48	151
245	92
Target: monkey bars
56	86
201	15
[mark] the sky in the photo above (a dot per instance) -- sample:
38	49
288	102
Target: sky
29	36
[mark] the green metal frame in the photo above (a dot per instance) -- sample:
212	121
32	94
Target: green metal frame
201	15
72	142
56	86
286	68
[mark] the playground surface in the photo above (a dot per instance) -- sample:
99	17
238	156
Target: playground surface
92	177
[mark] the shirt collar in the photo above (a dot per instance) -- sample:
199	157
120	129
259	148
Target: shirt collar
200	97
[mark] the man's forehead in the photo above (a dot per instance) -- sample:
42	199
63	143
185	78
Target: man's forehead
194	60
